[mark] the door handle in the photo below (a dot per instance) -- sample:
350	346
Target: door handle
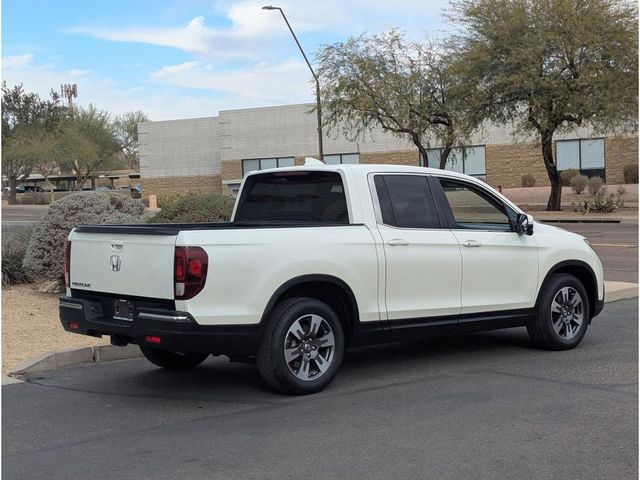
471	244
398	242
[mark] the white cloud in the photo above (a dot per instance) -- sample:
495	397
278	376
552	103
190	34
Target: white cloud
78	72
253	31
169	98
258	84
17	61
256	61
247	18
193	37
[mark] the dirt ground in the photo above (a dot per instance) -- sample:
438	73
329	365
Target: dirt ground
30	326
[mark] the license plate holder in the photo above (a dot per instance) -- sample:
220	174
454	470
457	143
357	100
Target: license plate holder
123	310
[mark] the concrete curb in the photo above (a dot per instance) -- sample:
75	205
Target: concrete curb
106	353
614	291
76	356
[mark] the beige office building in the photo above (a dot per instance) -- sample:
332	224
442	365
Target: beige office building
212	154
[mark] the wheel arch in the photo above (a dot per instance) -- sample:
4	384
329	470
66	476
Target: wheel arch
583	272
328	289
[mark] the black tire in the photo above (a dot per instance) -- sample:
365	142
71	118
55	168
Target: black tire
541	329
173	360
273	367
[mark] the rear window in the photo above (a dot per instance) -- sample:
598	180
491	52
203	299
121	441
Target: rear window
316	197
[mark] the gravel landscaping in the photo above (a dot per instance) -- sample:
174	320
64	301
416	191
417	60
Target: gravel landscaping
30	326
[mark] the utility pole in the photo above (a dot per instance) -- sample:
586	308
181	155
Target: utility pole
69	92
318	106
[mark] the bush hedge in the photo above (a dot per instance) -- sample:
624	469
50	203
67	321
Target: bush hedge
595	185
567	175
13	251
528	180
44	258
195	208
579	183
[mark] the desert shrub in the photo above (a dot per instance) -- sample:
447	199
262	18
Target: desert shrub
44	258
167	198
600	203
35	198
605	204
595	185
25	199
579	183
528	180
196	208
13	251
567	175
621	190
630	173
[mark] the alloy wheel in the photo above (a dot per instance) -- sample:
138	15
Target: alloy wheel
567	312
309	347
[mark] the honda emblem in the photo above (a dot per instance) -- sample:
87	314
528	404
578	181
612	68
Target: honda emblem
115	263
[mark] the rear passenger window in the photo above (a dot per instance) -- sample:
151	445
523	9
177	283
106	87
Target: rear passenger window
406	201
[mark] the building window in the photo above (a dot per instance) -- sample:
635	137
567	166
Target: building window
586	155
342	158
471	161
264	163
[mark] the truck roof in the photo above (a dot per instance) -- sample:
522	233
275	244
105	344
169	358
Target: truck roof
361	167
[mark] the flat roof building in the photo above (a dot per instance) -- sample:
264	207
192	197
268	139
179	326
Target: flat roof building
213	153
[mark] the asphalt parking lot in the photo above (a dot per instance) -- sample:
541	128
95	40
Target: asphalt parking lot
475	407
615	243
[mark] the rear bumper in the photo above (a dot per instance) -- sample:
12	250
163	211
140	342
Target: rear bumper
177	331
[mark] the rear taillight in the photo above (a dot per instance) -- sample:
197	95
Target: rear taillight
190	271
67	263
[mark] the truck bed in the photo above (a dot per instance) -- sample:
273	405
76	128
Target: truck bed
175	228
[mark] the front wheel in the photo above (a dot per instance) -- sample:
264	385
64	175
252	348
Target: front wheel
562	314
173	360
302	347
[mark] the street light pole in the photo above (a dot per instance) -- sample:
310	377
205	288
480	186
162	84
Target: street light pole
318	106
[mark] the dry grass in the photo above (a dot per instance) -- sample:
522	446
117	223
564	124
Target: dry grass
30	326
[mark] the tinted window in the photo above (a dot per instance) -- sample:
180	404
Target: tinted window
474	209
406	201
293	197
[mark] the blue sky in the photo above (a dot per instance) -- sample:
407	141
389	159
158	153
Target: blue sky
188	58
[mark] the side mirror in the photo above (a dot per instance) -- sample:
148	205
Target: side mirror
524	224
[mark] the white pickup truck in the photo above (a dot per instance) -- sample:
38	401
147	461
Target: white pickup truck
320	258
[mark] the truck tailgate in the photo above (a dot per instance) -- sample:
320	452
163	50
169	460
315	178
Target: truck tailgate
125	264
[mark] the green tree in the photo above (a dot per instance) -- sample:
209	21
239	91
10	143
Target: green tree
550	66
37	149
407	88
24	116
87	142
126	127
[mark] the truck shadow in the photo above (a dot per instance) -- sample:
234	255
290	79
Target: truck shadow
218	380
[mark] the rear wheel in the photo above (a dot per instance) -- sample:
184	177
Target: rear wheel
173	360
562	314
302	347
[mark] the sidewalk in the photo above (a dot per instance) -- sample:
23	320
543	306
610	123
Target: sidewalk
614	291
